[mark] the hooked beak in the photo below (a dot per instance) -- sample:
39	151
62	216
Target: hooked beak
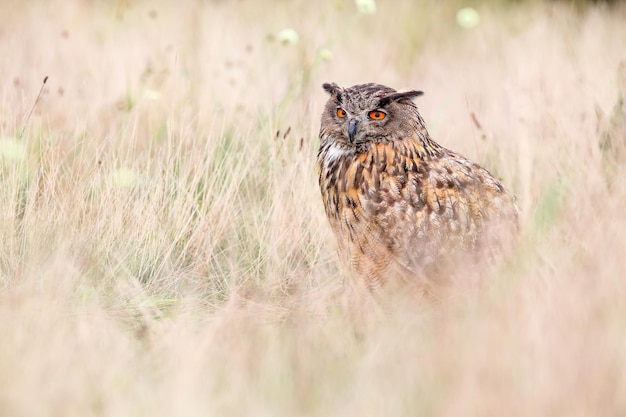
352	130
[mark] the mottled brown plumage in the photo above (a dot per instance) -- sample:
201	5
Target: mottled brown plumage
401	205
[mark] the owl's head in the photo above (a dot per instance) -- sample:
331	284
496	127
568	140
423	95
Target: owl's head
368	113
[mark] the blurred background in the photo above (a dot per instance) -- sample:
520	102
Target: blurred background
164	249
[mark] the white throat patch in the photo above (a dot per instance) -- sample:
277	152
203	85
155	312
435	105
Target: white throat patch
336	152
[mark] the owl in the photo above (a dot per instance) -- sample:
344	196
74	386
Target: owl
401	205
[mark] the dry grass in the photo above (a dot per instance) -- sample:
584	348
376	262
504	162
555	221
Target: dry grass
164	250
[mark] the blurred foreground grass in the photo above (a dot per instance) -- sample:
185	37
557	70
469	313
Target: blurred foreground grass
164	249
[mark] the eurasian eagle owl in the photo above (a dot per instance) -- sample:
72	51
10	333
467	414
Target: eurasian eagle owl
400	204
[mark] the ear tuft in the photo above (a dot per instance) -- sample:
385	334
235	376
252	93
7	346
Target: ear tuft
333	89
402	95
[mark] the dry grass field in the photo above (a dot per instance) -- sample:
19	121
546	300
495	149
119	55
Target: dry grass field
164	250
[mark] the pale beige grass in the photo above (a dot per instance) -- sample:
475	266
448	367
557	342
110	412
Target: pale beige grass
164	250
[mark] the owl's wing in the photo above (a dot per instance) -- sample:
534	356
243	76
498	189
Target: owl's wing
419	210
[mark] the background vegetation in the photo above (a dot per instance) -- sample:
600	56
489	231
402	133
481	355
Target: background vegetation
164	249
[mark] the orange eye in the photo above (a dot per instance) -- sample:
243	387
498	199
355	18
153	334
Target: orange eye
377	115
341	112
